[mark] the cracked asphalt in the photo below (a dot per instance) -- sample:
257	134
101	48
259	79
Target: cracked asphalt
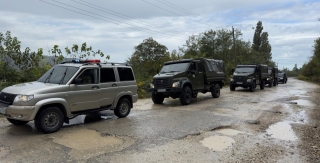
267	125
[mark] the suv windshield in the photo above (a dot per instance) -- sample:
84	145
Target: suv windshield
176	67
240	70
58	75
281	74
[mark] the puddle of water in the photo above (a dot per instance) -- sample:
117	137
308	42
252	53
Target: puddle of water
304	102
217	143
89	118
83	139
282	130
229	132
19	130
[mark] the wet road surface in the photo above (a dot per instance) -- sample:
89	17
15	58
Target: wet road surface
240	126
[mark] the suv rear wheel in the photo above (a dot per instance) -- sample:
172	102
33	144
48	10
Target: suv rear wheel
49	119
157	98
17	122
215	91
123	108
185	97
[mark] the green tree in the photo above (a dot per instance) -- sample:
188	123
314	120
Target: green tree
147	58
257	37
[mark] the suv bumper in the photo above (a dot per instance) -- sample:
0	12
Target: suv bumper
23	113
242	84
166	90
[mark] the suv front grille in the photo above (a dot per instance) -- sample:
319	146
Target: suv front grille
162	83
7	98
240	78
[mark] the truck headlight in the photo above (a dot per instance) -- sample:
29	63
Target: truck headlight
248	80
23	98
151	85
176	84
267	78
231	79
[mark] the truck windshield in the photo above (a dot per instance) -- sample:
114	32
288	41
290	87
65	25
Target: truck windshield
58	75
269	72
176	67
240	70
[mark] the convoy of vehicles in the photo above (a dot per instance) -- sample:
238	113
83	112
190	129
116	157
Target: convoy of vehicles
70	89
184	79
83	86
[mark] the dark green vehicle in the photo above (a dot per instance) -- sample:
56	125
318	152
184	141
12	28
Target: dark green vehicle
249	76
272	79
184	79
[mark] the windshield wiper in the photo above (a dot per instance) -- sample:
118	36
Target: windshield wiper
174	71
45	81
64	74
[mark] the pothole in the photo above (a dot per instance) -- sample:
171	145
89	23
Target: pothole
304	102
217	143
85	143
230	132
282	131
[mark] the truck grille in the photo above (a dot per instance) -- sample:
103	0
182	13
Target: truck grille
7	98
240	78
162	83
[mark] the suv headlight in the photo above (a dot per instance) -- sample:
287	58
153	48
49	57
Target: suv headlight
176	84
23	98
151	85
231	79
268	79
248	80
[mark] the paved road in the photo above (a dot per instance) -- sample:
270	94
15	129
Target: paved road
157	133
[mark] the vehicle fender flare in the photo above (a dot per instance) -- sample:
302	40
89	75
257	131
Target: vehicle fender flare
49	101
120	95
186	82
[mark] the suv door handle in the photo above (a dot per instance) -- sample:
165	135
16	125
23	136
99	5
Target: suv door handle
95	87
114	85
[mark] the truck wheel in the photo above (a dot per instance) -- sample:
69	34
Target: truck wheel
215	91
271	83
17	122
262	85
232	87
49	120
157	98
253	87
123	108
185	97
275	82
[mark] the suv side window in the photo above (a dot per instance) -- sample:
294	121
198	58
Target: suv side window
125	74
107	75
89	76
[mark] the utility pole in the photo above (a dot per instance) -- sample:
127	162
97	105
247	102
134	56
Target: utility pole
234	47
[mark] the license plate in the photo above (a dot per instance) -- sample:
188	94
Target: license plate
2	110
161	90
239	82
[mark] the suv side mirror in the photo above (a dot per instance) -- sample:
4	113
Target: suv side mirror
77	81
193	71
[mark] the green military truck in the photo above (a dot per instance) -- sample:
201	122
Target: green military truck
249	76
272	79
184	79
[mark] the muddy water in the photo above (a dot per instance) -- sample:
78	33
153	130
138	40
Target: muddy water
282	131
217	143
304	102
229	132
86	139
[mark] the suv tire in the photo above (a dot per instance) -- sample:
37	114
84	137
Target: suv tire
232	87
185	97
262	85
17	122
215	91
123	108
157	98
49	119
253	86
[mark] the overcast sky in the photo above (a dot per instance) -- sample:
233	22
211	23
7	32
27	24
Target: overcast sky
117	26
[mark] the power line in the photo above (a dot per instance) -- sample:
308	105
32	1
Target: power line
120	15
113	20
172	12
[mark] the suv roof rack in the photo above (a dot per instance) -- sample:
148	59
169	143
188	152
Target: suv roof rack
115	63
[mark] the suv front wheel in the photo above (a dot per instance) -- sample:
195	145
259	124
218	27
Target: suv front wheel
49	119
123	108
